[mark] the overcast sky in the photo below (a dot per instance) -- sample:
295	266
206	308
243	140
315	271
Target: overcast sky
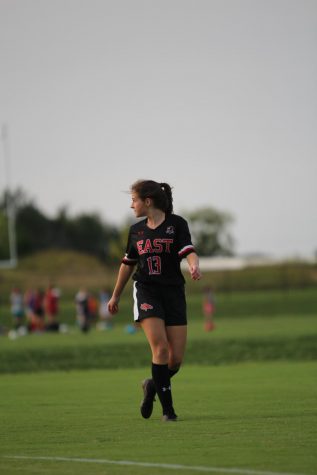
217	98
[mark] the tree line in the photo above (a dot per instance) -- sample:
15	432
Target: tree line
89	233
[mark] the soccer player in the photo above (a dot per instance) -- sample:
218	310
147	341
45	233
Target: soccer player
156	245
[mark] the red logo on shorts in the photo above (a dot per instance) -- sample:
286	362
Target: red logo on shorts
146	307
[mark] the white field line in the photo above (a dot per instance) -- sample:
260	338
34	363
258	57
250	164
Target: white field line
168	466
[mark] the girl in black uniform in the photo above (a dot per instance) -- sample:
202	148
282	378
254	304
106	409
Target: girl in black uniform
156	245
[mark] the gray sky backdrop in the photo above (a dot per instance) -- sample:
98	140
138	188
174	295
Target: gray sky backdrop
216	97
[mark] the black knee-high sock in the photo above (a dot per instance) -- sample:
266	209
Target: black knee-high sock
173	371
162	381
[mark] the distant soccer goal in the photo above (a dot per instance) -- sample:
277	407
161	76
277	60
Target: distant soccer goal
7	214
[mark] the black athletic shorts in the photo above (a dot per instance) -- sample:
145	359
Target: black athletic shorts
163	301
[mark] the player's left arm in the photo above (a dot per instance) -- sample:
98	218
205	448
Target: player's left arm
193	265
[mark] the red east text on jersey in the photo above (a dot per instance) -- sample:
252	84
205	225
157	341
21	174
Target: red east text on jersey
156	246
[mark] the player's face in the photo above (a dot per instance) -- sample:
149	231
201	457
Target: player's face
138	206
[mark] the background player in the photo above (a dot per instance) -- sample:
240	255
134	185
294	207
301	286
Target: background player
208	309
157	245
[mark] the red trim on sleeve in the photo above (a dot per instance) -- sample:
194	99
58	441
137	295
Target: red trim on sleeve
129	262
186	250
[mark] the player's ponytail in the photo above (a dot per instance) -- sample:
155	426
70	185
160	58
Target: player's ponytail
160	193
168	191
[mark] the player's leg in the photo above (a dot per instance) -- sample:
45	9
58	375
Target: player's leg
149	391
176	326
140	296
155	331
177	338
175	319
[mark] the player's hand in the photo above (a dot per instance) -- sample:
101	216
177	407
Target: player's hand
113	305
195	272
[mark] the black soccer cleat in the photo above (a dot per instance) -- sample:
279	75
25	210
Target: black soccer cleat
169	417
149	397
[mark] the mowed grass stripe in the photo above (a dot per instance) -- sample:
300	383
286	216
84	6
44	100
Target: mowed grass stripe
136	355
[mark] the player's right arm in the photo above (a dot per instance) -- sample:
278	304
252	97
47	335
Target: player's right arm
125	272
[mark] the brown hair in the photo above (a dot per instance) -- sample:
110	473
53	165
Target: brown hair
160	193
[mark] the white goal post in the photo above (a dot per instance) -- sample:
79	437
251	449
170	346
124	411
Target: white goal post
12	260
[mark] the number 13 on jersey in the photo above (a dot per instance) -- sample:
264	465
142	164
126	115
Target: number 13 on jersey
154	263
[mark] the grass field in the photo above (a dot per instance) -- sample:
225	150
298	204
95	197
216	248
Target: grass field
292	338
250	326
246	396
258	417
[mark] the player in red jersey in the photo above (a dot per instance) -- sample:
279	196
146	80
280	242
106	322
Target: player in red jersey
156	246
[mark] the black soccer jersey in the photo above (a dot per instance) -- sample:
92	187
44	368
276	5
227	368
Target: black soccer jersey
158	252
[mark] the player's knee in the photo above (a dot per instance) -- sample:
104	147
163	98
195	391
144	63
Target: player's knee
160	353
